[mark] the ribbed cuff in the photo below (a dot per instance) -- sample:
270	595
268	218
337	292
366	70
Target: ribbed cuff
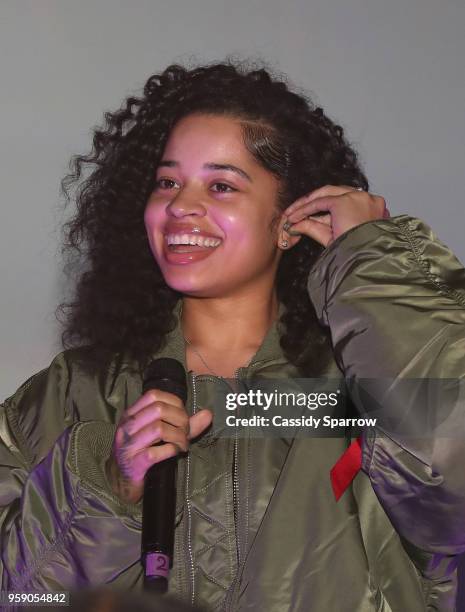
90	447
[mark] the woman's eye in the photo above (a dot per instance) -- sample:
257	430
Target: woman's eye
165	183
228	187
162	183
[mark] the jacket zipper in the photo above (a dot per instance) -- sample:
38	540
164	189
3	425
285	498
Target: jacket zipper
236	487
188	504
229	594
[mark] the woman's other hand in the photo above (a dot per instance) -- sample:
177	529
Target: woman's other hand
343	208
156	427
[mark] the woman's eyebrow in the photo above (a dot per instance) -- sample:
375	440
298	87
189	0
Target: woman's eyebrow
169	163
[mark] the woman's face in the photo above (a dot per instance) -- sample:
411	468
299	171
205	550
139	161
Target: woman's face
208	219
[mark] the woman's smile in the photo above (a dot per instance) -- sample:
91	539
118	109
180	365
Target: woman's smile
188	248
185	244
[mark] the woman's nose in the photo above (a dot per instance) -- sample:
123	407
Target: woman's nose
184	204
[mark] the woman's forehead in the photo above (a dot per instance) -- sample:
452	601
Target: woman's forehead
213	139
212	127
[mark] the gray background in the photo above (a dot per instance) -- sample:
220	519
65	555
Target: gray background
392	73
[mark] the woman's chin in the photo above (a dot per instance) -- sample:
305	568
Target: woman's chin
190	286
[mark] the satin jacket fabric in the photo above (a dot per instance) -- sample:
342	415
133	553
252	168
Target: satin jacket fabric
275	540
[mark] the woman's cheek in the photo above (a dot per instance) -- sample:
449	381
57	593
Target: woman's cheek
153	222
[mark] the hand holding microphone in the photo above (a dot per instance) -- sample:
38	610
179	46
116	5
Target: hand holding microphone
156	417
149	435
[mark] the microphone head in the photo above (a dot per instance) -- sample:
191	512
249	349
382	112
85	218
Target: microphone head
166	374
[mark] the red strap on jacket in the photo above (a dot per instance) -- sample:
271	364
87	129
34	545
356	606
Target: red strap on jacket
346	468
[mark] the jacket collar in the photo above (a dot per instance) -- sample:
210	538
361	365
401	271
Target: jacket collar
269	351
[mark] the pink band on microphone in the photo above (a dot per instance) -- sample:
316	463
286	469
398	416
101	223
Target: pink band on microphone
157	564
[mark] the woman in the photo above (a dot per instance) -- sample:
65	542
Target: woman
223	225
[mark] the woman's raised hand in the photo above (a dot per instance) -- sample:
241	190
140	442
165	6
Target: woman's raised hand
343	207
156	417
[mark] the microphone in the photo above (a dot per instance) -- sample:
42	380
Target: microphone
159	502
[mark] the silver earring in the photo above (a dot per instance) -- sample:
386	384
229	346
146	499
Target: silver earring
284	244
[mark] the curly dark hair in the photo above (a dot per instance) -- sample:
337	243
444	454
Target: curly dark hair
122	303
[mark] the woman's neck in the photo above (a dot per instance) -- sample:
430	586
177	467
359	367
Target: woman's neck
224	334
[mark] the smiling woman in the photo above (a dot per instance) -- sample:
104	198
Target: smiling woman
227	224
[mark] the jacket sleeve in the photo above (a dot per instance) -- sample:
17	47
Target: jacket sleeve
393	297
61	526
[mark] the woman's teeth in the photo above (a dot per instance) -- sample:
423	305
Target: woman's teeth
192	239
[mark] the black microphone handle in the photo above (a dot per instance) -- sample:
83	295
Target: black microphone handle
158	517
159	502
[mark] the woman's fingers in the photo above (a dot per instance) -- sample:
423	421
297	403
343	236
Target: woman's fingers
158	410
163	432
311	208
327	190
332	210
155	454
155	432
143	460
320	232
151	455
161	424
150	397
198	422
323	218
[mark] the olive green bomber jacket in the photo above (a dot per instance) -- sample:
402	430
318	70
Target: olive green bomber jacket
257	523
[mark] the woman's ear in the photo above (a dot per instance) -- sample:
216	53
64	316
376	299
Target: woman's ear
286	238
